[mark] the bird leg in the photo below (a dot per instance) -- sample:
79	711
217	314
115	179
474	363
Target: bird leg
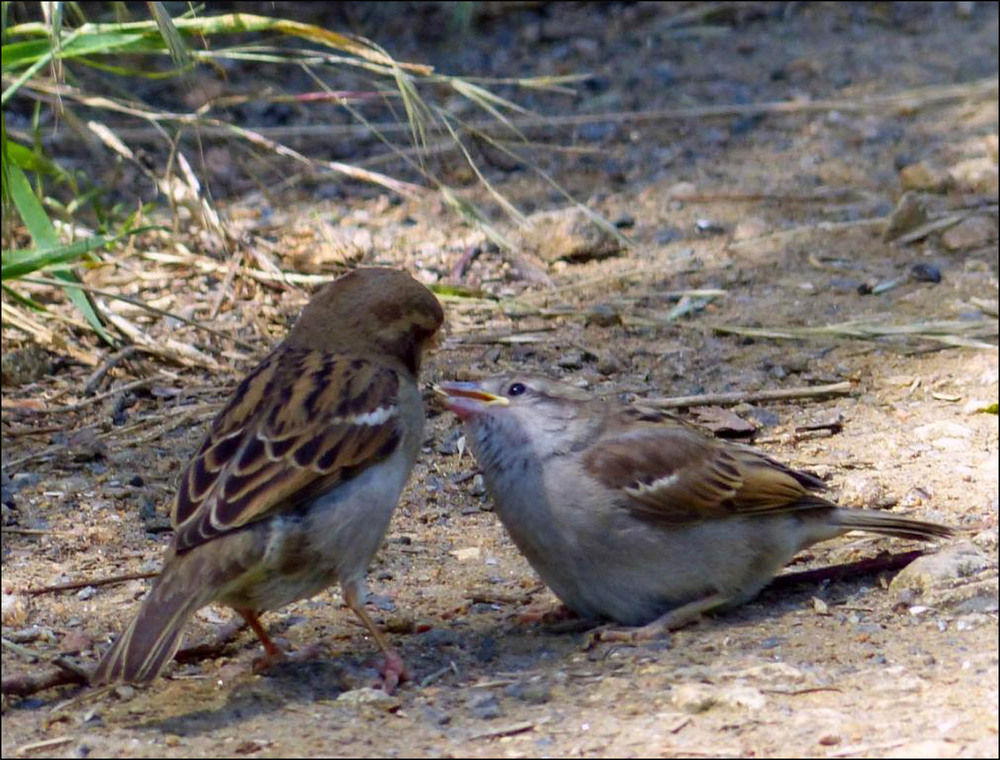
273	654
669	621
393	670
546	614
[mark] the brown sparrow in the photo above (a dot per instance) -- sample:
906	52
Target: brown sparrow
631	514
295	482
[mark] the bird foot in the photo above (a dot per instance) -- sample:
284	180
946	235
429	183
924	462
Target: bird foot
546	614
276	655
393	671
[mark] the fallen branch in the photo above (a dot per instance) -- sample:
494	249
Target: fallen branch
738	397
73	585
25	684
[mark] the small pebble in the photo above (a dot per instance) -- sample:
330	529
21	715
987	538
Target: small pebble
667	235
532	692
925	273
369	697
603	315
484	706
709	227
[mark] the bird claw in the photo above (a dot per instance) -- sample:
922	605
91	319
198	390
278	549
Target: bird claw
392	672
276	656
629	636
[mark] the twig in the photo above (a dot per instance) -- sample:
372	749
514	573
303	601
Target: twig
464	262
72	585
508	730
25	684
46	744
739	397
800	692
20	649
33	531
451	667
143	383
857	750
17	432
97	375
847	570
908	99
144	306
948	332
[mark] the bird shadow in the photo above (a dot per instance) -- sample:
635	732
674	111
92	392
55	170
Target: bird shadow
284	684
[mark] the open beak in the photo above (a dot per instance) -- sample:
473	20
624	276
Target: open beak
468	399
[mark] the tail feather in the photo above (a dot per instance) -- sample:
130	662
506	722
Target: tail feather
148	645
891	525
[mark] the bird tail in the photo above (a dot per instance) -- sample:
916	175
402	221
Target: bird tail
891	525
149	643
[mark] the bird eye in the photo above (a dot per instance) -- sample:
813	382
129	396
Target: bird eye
516	389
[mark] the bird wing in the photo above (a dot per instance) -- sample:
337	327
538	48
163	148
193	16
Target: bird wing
672	474
301	422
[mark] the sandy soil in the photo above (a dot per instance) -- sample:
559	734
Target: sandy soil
786	214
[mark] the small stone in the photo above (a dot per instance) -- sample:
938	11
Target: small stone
925	273
772	674
862	491
709	227
973	232
484	706
478	487
910	213
926	573
25	365
608	366
603	315
532	692
667	235
450	445
75	641
369	697
845	284
978	175
402	624
742	697
923	177
434	716
764	417
571	360
568	234
466	554
747	229
694	697
13	610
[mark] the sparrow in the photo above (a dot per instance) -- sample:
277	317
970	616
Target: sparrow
294	484
630	514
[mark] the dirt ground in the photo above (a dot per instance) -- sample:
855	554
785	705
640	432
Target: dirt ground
784	211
